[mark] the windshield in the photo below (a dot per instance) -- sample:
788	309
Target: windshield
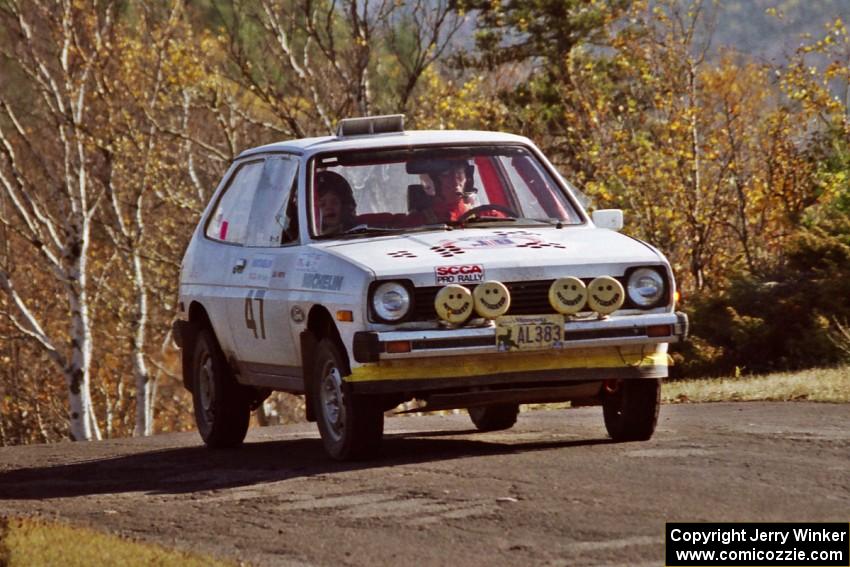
367	192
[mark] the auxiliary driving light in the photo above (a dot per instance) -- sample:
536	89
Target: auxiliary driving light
454	303
567	295
605	295
492	299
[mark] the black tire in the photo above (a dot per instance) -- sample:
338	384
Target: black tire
494	418
351	426
222	406
631	412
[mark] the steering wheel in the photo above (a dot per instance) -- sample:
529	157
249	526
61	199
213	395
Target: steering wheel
474	212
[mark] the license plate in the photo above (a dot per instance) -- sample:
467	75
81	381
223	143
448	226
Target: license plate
529	332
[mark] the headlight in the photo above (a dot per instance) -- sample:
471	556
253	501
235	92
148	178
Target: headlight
646	286
391	301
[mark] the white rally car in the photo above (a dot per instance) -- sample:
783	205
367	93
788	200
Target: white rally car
380	265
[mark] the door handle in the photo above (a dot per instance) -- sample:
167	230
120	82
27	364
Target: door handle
239	267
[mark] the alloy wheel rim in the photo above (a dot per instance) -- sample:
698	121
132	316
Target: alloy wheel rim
207	387
332	404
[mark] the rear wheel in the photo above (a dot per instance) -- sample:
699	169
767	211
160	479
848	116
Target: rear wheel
494	418
631	409
222	408
351	426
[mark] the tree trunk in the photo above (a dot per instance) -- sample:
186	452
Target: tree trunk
78	373
144	406
77	379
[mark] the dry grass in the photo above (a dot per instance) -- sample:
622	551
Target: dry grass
24	543
817	385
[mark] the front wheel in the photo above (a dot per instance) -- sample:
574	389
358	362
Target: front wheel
631	409
222	410
351	426
494	418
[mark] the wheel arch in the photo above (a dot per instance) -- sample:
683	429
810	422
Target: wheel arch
198	319
320	325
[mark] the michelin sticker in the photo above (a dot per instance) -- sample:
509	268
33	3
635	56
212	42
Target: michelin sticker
322	281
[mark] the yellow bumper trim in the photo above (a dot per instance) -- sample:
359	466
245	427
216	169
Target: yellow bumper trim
489	364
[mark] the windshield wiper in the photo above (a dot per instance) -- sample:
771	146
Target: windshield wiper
365	229
492	220
434	226
484	220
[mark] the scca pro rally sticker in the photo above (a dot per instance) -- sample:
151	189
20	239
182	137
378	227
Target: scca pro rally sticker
468	273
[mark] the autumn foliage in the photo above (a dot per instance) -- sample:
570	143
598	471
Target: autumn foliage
118	119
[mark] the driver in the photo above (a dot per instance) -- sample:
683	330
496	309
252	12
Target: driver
450	201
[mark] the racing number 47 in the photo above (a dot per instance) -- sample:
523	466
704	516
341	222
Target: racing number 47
250	322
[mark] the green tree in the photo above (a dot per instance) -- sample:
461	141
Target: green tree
529	46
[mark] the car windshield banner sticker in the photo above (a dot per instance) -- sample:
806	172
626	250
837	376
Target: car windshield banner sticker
470	273
495	240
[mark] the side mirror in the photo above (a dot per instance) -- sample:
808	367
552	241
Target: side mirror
611	219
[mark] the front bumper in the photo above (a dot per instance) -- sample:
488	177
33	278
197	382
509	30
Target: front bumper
625	347
623	331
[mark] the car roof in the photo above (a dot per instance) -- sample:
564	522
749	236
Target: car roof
389	140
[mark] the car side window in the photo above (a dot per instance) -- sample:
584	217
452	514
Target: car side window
274	219
229	221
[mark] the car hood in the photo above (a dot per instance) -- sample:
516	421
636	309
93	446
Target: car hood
501	254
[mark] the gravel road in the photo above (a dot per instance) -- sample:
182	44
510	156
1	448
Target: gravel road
551	491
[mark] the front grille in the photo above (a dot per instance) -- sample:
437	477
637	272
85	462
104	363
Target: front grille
454	343
604	334
527	298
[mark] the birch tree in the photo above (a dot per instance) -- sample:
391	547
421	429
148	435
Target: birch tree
45	174
128	150
169	130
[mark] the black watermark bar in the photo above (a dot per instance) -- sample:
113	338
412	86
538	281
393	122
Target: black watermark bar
757	544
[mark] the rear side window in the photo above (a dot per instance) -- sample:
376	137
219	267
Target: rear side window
274	220
229	221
